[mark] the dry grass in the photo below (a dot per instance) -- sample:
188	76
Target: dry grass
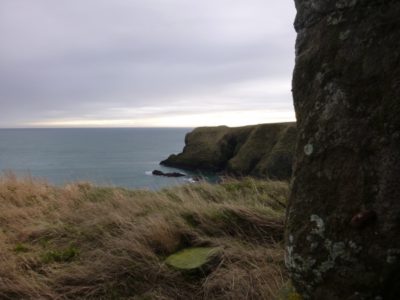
86	242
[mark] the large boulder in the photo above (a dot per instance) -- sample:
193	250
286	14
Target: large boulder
343	220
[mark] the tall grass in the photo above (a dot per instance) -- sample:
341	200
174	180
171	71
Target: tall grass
86	242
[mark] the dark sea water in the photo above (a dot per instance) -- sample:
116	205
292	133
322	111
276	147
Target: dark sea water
113	156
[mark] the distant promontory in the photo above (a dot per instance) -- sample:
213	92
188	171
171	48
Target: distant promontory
264	150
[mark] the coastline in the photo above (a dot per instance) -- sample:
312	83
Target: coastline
263	151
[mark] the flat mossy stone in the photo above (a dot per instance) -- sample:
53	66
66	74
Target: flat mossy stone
288	292
192	258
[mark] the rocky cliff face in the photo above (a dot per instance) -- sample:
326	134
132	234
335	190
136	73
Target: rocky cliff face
264	150
343	221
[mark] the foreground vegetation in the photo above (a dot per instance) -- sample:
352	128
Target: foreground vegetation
87	242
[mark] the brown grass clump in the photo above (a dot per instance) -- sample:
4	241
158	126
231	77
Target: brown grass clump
87	242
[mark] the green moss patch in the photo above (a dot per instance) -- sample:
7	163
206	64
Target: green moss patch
21	248
64	255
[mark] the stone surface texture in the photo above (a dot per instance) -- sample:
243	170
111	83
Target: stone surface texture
343	219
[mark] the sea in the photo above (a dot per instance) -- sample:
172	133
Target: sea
120	157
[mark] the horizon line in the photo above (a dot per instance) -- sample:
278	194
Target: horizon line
137	127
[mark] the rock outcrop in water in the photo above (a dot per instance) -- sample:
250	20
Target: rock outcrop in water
343	221
171	174
264	150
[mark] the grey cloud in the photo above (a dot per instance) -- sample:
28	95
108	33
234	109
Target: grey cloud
83	58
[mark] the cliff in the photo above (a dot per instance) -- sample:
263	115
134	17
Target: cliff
264	150
343	220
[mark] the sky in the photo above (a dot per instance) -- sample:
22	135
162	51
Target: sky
145	63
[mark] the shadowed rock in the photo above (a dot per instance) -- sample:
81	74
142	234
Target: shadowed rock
343	219
172	174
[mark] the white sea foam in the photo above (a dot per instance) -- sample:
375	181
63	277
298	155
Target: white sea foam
190	180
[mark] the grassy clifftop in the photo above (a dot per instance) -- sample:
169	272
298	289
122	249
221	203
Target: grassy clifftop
264	150
87	242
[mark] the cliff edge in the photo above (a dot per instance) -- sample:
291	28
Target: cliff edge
264	150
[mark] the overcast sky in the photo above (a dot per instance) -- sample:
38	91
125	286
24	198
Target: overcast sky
145	62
